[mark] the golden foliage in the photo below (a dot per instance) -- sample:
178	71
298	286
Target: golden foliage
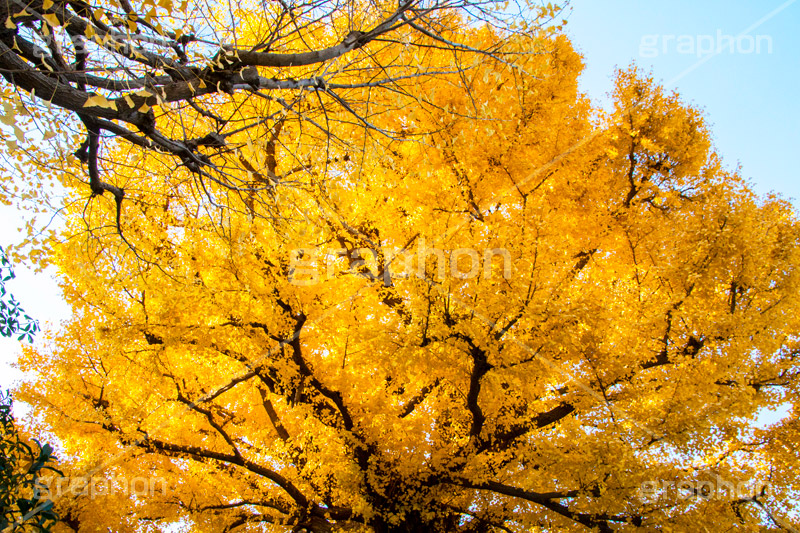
636	312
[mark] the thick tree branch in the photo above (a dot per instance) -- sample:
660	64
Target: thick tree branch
547	500
198	452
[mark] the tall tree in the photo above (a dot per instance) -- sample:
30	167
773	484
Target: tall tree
517	314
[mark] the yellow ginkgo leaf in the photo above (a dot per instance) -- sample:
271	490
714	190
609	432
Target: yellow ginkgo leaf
51	19
98	100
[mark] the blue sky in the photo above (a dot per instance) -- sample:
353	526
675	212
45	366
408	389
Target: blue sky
749	91
749	94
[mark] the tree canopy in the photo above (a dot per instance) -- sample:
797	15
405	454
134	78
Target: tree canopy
475	304
171	77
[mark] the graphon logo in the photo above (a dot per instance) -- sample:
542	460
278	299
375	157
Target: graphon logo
308	266
719	489
50	488
653	45
114	40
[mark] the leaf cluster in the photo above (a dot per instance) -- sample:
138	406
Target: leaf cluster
13	320
21	492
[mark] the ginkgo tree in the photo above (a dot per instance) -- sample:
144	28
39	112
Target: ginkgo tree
515	314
